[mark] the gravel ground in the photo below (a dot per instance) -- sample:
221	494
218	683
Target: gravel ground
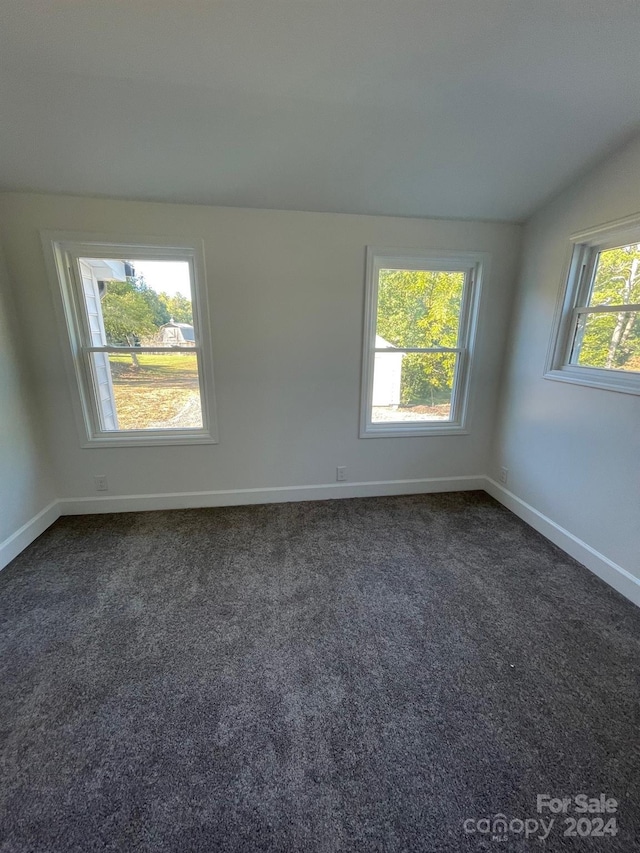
189	416
417	413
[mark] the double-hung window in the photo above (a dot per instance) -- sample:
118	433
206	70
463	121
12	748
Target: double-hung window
596	338
420	319
139	347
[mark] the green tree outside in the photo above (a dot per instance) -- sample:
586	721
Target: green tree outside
421	308
127	313
177	307
612	339
132	310
161	314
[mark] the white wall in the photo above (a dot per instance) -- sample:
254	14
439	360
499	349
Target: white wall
573	452
286	294
26	487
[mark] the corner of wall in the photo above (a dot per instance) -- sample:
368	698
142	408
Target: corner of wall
27	493
567	474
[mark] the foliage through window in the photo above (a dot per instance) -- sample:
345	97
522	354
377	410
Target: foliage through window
417	347
597	341
607	329
136	334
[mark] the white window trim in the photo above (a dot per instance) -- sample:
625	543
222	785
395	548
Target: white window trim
62	247
475	265
583	250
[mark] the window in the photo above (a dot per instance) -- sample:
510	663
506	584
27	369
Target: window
139	350
596	337
419	329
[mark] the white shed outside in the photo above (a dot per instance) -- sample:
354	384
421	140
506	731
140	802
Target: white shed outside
177	334
387	375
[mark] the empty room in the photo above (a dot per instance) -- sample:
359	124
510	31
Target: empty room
319	426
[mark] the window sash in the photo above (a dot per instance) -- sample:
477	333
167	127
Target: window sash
573	304
127	350
76	275
588	258
577	333
99	430
607	309
95	409
458	350
468	263
63	250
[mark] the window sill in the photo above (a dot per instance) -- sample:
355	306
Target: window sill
137	440
607	380
395	430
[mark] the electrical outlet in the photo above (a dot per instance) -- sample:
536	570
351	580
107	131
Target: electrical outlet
504	476
100	481
341	473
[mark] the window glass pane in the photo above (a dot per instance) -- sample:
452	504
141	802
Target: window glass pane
148	390
617	277
419	308
412	386
137	303
608	339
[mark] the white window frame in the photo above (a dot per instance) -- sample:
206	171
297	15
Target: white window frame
474	265
62	252
573	300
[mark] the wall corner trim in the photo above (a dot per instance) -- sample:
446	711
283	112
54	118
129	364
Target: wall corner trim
25	535
611	573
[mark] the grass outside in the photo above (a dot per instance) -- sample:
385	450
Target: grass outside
161	392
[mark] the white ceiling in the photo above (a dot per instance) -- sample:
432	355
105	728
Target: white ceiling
456	108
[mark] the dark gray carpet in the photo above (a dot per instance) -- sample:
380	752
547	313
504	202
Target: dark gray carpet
357	675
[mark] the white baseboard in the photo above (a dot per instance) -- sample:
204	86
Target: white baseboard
614	575
18	541
275	494
611	573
